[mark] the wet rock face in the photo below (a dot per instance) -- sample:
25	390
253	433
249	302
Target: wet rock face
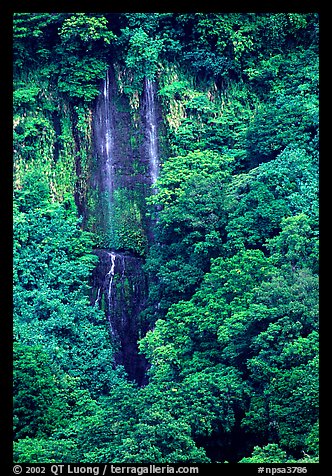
127	150
127	164
120	289
104	135
150	118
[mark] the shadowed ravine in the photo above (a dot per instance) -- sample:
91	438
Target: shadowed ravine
120	289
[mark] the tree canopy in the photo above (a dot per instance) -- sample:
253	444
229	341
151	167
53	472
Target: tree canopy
228	237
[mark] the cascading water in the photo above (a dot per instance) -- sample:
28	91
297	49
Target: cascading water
151	128
119	282
110	300
104	125
121	288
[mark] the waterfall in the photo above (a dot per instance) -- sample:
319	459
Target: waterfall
104	125
111	304
98	297
151	128
119	283
111	274
121	287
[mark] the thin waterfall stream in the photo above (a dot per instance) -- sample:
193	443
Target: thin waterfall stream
104	139
121	292
151	128
119	282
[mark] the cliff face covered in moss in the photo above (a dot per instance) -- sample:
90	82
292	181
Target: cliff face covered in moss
166	237
126	166
103	155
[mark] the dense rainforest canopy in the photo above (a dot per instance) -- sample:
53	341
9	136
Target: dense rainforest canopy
213	268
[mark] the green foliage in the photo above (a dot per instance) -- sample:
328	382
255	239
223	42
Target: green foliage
119	220
33	35
270	453
259	201
158	437
291	110
79	78
285	361
190	222
233	262
37	407
46	450
129	232
255	216
258	327
53	290
25	96
87	29
144	50
174	89
31	132
73	45
296	244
